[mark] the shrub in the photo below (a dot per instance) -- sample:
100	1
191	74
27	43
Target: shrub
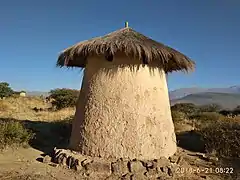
187	108
225	112
203	119
210	108
206	116
63	98
5	90
178	116
236	111
12	132
222	137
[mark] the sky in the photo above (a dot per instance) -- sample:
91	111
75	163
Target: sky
33	33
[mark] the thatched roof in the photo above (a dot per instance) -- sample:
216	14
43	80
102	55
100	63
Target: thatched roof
133	44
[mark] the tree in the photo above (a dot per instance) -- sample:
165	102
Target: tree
5	90
225	112
63	98
210	108
187	108
236	111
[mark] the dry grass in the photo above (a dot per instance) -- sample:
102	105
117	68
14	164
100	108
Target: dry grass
21	108
19	122
4	106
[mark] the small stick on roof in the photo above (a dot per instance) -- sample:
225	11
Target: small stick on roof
126	24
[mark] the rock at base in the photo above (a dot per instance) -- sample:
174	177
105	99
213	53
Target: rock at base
137	166
120	168
99	167
139	176
47	159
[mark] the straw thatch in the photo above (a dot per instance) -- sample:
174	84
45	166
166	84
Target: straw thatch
133	44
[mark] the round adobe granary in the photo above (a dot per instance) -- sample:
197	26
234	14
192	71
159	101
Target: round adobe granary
123	110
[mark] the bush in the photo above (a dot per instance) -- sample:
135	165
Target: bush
187	108
12	132
203	119
207	116
5	90
219	134
222	137
210	108
236	111
63	98
225	112
178	116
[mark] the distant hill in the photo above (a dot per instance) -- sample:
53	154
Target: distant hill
226	100
228	97
182	92
37	93
179	93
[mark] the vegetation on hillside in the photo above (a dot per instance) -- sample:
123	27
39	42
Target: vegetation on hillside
13	133
226	100
63	98
236	110
217	127
220	133
222	137
186	108
5	90
210	108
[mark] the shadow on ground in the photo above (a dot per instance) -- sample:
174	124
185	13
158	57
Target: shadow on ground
191	140
47	134
50	134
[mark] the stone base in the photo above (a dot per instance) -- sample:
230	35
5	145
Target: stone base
118	169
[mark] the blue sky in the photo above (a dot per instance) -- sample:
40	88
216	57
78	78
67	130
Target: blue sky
32	33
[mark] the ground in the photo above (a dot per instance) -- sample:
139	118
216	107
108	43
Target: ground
22	163
25	162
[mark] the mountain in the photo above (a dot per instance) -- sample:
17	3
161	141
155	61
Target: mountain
179	93
228	97
182	92
37	93
226	100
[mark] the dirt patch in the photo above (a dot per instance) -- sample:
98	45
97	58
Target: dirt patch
22	164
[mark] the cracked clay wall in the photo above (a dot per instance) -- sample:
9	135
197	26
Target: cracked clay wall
123	113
